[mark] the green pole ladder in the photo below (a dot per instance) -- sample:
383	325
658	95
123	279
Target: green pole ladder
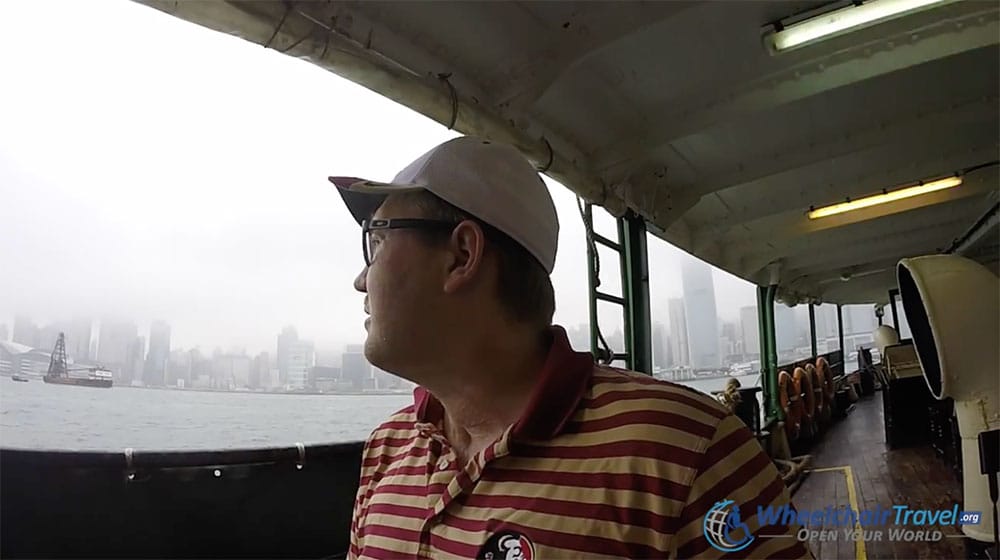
634	300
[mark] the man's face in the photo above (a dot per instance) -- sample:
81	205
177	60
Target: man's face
402	291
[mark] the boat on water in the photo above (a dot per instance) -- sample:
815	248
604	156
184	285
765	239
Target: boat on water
674	118
19	378
95	377
60	373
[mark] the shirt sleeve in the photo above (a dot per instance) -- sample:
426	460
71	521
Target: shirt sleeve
735	467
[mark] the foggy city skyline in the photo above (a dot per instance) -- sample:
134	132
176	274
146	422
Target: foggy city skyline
178	184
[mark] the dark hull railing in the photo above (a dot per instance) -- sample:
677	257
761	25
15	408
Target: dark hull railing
258	503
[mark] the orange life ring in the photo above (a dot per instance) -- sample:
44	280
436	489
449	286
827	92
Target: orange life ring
803	388
826	373
817	389
791	404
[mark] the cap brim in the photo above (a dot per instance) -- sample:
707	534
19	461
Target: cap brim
363	197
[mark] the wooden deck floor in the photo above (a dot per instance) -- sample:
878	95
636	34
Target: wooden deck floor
874	476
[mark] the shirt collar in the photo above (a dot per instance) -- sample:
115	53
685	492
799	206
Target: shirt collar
561	384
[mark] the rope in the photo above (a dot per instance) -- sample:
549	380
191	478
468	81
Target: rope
552	156
444	77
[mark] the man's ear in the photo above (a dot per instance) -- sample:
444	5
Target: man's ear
467	249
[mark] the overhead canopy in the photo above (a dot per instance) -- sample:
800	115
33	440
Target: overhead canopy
677	111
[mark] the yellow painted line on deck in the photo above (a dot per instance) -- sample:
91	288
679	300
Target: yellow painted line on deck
852	496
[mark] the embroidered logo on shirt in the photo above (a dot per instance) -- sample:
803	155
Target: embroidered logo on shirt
507	545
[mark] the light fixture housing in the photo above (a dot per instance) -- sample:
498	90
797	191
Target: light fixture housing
838	19
885	197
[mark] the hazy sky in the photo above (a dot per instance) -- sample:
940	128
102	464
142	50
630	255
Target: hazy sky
154	169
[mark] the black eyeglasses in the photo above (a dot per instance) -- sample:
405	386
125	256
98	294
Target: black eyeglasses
369	244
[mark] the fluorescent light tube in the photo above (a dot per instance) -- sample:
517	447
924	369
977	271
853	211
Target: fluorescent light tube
877	199
841	21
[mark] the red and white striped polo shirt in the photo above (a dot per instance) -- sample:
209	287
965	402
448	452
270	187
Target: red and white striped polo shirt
603	463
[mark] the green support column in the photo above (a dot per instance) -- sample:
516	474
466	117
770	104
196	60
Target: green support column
635	282
812	329
624	266
768	353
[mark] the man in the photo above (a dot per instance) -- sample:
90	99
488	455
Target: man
516	446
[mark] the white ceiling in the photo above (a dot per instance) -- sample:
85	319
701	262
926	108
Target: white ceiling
676	110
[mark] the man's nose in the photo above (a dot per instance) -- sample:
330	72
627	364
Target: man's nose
361	282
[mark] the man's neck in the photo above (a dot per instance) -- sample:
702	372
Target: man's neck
486	392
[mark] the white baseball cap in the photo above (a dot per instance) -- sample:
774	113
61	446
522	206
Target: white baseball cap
490	181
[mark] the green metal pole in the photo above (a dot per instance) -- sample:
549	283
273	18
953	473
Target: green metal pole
765	379
768	352
812	329
625	267
635	277
588	213
772	358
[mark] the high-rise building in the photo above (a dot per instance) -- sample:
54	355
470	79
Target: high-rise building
78	333
730	343
77	338
155	370
784	330
301	358
201	370
231	371
287	337
678	333
384	380
659	351
241	365
826	321
25	332
179	369
355	368
700	312
3	333
115	340
131	370
750	330
261	372
668	348
323	378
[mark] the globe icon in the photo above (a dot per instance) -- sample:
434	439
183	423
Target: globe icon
719	521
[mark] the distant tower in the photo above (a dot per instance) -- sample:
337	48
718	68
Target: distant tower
154	372
354	367
701	314
678	333
286	339
659	349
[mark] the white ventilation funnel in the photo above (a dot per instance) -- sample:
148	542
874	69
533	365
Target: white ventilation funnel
953	307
